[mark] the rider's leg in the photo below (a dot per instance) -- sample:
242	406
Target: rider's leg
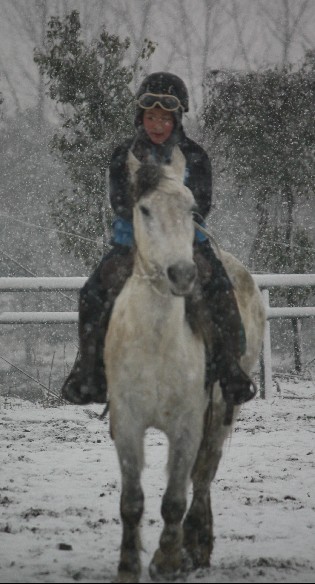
87	382
227	331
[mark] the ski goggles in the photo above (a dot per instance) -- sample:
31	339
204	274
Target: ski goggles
169	103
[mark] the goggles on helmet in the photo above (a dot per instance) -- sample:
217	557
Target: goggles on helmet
170	103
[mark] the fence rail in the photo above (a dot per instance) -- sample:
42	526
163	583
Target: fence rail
11	284
264	281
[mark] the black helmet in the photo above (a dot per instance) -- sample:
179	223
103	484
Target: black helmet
166	84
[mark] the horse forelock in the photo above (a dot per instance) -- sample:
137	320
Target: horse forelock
148	177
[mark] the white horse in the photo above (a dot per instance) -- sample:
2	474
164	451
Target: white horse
155	366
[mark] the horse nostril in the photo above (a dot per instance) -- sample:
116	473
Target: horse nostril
172	273
182	273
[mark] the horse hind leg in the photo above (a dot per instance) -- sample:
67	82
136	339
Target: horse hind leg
198	525
198	532
130	453
167	562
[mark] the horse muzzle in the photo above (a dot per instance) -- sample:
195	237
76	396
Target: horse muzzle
182	277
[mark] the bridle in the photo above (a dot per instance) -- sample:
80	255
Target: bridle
156	274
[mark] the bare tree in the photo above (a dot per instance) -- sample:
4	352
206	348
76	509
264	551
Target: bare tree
285	20
242	47
136	21
25	23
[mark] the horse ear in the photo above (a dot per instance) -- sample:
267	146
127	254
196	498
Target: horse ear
148	178
133	166
144	176
178	163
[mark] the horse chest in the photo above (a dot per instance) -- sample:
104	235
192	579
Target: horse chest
144	322
163	362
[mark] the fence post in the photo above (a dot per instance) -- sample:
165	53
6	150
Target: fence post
265	363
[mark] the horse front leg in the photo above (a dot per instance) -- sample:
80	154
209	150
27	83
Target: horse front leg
167	560
130	454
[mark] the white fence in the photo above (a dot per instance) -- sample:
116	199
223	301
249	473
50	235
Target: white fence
264	281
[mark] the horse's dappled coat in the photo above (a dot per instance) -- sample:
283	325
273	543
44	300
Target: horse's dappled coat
155	367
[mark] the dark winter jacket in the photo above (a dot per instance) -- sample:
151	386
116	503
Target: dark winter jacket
198	176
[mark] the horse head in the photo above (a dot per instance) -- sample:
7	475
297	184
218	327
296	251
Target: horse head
163	222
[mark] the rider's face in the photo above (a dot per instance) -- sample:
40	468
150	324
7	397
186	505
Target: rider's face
158	124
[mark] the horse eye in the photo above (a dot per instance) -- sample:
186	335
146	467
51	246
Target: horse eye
144	210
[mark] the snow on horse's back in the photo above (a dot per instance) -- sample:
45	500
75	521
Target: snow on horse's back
155	367
251	307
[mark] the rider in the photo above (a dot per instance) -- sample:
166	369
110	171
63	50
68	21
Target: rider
160	103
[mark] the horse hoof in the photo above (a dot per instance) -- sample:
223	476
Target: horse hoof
163	568
163	576
195	559
124	577
187	562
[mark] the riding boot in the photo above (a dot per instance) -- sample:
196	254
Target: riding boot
223	329
86	382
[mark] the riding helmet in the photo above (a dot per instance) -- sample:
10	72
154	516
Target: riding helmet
164	84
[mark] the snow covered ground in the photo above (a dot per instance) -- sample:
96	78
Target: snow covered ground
59	494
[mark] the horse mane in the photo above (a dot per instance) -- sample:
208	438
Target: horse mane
148	177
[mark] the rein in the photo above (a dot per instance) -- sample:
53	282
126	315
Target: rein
209	236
